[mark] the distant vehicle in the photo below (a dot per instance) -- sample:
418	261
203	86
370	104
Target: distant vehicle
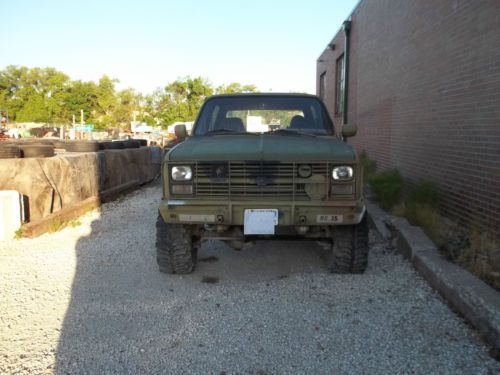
4	134
262	166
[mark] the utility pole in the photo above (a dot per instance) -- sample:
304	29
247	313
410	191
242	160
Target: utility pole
81	123
134	114
74	126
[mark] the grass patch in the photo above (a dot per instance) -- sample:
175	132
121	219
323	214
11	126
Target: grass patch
421	209
422	215
58	224
386	187
482	257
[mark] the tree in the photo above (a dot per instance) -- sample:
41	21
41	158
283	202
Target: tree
47	95
234	88
81	96
182	99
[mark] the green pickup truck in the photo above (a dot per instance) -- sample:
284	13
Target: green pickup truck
262	166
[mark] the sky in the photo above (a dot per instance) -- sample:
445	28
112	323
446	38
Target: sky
146	44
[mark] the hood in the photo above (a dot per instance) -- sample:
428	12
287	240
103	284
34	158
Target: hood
262	147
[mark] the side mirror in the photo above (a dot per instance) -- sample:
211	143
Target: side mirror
180	132
349	130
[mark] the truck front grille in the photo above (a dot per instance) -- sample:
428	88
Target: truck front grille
240	180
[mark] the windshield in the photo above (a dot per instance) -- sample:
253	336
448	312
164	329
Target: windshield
263	114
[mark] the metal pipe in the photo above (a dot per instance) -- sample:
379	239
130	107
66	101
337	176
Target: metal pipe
347	42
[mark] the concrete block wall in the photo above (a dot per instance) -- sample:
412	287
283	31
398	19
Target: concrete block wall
424	90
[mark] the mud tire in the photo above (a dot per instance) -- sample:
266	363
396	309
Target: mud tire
175	252
349	252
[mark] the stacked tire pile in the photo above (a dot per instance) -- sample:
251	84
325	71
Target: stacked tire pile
119	145
25	150
43	148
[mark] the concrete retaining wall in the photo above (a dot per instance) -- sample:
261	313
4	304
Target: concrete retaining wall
51	184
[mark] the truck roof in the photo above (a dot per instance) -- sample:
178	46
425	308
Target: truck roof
271	94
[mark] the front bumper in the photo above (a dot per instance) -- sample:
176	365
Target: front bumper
289	213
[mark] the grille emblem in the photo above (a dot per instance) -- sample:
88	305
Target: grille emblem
219	171
262	181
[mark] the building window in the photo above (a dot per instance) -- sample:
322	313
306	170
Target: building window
339	85
322	84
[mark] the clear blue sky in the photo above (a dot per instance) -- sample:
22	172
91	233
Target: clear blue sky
273	44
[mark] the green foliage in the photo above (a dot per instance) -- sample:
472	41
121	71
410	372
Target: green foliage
47	95
19	234
58	224
425	192
234	88
387	186
421	209
369	165
424	216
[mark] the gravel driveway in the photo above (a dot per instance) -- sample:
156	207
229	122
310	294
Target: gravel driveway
89	299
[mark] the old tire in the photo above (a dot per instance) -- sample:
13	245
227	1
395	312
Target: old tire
349	253
82	146
131	144
36	151
9	151
174	248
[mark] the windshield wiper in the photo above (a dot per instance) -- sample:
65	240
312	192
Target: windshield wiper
289	131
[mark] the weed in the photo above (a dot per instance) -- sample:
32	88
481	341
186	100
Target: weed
425	192
19	233
420	208
369	165
58	224
55	225
386	186
422	215
482	257
73	223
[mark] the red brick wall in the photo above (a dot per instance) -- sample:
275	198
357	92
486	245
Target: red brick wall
424	90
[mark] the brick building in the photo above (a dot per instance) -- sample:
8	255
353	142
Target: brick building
421	79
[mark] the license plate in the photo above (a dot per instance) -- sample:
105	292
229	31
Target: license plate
329	219
260	221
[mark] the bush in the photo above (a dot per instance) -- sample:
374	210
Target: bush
426	193
386	186
369	165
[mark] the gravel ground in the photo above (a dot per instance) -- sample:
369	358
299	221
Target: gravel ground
90	300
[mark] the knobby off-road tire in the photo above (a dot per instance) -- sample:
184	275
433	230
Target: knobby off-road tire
175	252
349	253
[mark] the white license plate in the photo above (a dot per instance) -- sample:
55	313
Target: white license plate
329	219
260	220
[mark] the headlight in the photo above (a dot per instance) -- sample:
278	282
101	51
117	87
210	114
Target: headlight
181	173
343	173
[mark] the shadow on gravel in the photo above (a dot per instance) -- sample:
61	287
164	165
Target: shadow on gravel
124	316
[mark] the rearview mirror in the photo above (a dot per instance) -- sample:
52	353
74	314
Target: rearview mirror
349	130
180	132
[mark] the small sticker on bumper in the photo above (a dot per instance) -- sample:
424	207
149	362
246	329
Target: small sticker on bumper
197	218
329	219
